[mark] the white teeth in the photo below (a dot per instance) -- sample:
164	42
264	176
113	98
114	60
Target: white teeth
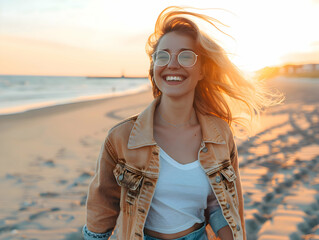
174	78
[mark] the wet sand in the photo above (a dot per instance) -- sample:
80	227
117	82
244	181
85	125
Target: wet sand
48	157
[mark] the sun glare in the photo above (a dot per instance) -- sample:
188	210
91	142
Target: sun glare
265	33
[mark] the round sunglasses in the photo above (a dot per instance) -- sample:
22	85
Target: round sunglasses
186	58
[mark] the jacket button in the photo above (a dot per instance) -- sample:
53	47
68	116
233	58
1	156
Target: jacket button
238	227
148	183
141	210
205	149
120	178
218	179
227	205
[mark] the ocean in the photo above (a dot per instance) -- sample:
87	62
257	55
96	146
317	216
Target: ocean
23	93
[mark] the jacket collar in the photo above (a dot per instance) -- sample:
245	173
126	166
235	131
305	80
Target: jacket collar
142	132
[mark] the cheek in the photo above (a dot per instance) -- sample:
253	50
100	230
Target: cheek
156	76
197	74
157	73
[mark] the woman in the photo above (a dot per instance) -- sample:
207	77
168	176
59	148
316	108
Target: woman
169	171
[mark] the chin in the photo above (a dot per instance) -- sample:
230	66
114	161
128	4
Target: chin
177	94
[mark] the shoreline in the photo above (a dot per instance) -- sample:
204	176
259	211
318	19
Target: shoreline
38	106
75	102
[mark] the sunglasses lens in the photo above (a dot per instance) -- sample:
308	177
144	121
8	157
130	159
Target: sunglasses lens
161	58
187	58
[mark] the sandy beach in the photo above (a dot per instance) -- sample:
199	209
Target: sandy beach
48	157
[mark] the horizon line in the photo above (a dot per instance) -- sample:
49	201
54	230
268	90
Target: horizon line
84	76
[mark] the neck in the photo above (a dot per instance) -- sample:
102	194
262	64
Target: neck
175	112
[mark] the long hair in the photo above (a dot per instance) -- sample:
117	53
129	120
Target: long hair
223	91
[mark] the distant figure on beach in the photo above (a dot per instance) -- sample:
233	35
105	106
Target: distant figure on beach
172	172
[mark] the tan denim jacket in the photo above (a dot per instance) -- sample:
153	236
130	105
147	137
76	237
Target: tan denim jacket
121	191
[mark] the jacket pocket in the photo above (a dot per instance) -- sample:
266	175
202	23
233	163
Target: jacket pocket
127	178
229	174
131	182
229	179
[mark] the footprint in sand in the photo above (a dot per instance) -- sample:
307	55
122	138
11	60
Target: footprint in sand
61	153
47	162
122	113
64	153
26	204
49	194
43	213
83	179
89	141
63	181
65	217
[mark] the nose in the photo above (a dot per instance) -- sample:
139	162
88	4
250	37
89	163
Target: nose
173	63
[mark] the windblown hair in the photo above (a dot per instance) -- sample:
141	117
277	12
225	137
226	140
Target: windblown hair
223	91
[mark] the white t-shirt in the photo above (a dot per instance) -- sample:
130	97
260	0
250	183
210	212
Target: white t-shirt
180	196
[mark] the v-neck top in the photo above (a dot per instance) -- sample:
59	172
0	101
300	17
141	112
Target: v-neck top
180	196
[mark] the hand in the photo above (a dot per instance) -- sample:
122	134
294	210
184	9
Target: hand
225	233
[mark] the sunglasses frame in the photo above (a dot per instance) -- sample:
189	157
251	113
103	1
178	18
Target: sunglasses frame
169	57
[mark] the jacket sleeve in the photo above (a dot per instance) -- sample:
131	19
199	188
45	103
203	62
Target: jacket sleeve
217	220
88	235
103	201
235	164
216	217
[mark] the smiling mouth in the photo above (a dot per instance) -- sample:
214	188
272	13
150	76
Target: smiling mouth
174	78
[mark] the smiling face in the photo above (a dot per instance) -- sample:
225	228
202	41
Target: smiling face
174	80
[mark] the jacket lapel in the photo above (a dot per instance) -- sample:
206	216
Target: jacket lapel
142	131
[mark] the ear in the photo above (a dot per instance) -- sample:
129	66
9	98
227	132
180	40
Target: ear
201	71
201	75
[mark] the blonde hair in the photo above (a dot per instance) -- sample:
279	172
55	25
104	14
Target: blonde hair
223	91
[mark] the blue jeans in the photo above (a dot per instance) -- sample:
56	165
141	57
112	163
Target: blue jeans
216	221
199	234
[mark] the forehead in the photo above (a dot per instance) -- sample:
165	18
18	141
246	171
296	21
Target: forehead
174	41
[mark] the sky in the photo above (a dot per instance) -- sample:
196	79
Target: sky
107	38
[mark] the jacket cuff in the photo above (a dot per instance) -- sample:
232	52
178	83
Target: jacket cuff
217	221
88	235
